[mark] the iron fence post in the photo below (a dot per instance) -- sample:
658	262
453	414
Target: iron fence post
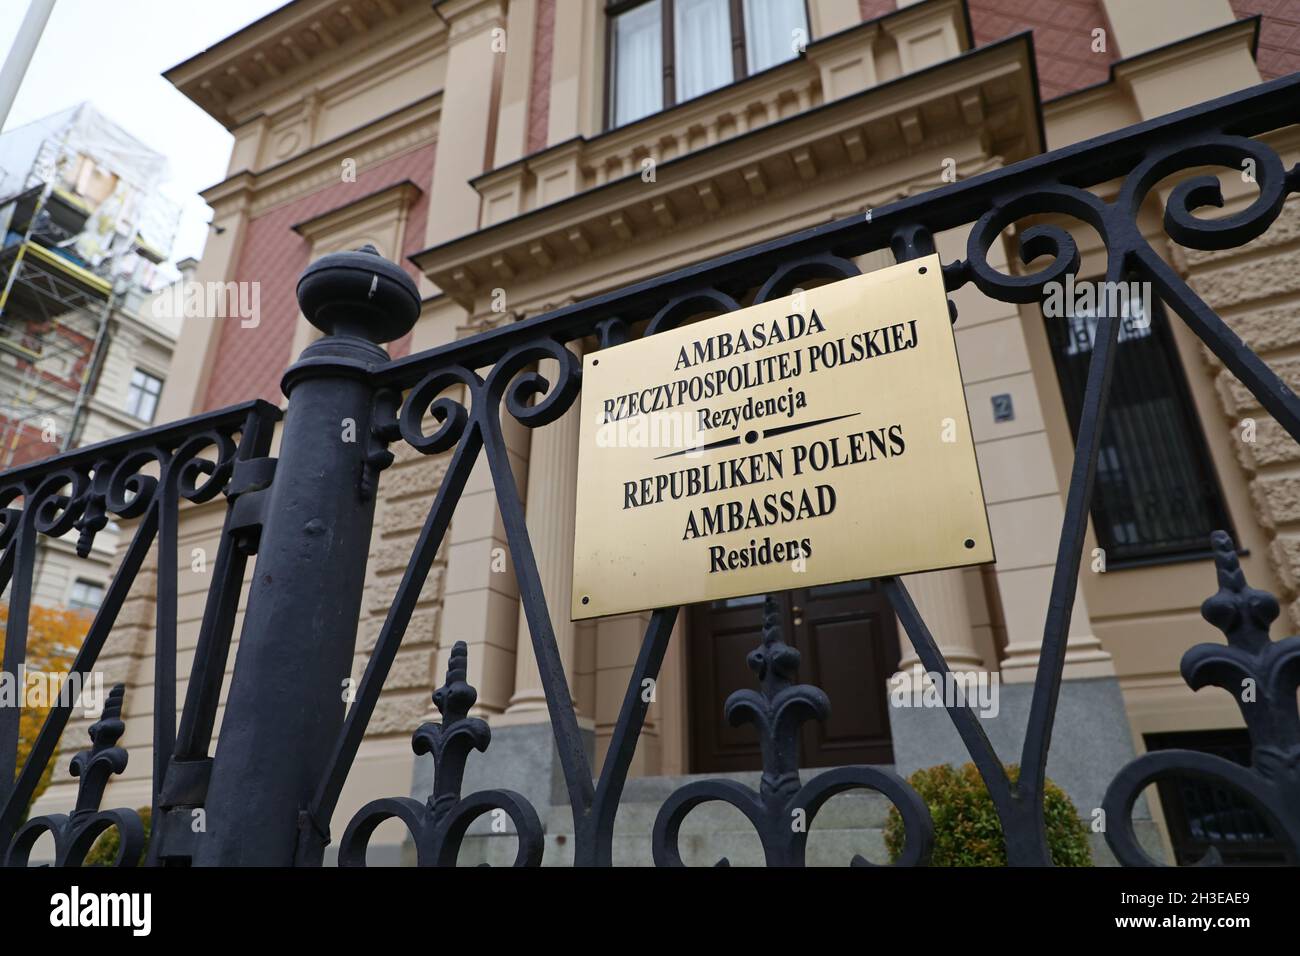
289	688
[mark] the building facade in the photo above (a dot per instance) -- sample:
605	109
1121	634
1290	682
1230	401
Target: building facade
518	155
124	398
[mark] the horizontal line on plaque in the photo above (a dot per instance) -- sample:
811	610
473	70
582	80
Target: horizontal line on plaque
767	433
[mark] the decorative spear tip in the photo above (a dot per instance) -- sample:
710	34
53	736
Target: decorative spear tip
1227	566
773	659
458	663
456	695
771	620
1241	612
113	706
106	731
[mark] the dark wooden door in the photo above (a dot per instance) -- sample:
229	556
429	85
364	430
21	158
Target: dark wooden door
847	636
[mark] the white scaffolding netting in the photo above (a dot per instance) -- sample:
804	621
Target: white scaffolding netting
91	157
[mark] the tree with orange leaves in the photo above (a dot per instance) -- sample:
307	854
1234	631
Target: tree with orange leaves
53	636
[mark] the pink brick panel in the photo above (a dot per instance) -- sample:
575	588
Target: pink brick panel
249	362
876	8
1062	38
1278	53
539	93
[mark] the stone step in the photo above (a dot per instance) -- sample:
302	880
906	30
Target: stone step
824	848
703	845
741	848
849	823
659	789
846	811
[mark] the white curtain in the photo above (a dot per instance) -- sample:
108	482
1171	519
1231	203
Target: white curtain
702	46
638	63
773	29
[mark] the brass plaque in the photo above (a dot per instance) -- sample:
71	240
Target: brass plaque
817	438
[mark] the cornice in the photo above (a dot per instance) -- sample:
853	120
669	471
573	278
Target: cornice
1123	72
1186	51
397	196
987	95
917	13
134	325
408	128
288	48
466	17
234	189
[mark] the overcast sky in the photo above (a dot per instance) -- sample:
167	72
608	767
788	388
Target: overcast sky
112	53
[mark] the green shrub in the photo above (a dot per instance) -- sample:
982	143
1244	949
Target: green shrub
967	831
104	852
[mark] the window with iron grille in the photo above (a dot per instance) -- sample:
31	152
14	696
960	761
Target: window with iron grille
142	396
1157	495
665	52
1202	815
85	595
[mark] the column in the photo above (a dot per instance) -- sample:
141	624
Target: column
618	642
467	128
940	597
517	80
480	594
1084	655
1139	27
1214	62
1021	486
551	509
577	58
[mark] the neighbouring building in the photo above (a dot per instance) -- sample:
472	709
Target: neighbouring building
83	355
497	150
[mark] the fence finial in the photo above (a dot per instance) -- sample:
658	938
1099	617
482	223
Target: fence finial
359	293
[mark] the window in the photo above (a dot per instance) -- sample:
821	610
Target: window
142	397
774	31
1156	494
664	52
1202	814
85	595
701	47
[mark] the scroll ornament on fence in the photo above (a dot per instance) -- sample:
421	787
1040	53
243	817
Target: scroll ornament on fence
782	811
74	834
439	825
1262	675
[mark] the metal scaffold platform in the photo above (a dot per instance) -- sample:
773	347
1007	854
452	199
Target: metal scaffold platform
82	228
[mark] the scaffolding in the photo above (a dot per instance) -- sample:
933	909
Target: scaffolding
83	229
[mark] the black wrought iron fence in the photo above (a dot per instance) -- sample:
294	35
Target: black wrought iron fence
286	745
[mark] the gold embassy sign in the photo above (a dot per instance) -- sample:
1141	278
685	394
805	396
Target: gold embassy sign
816	438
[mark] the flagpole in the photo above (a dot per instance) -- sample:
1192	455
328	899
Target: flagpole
20	54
